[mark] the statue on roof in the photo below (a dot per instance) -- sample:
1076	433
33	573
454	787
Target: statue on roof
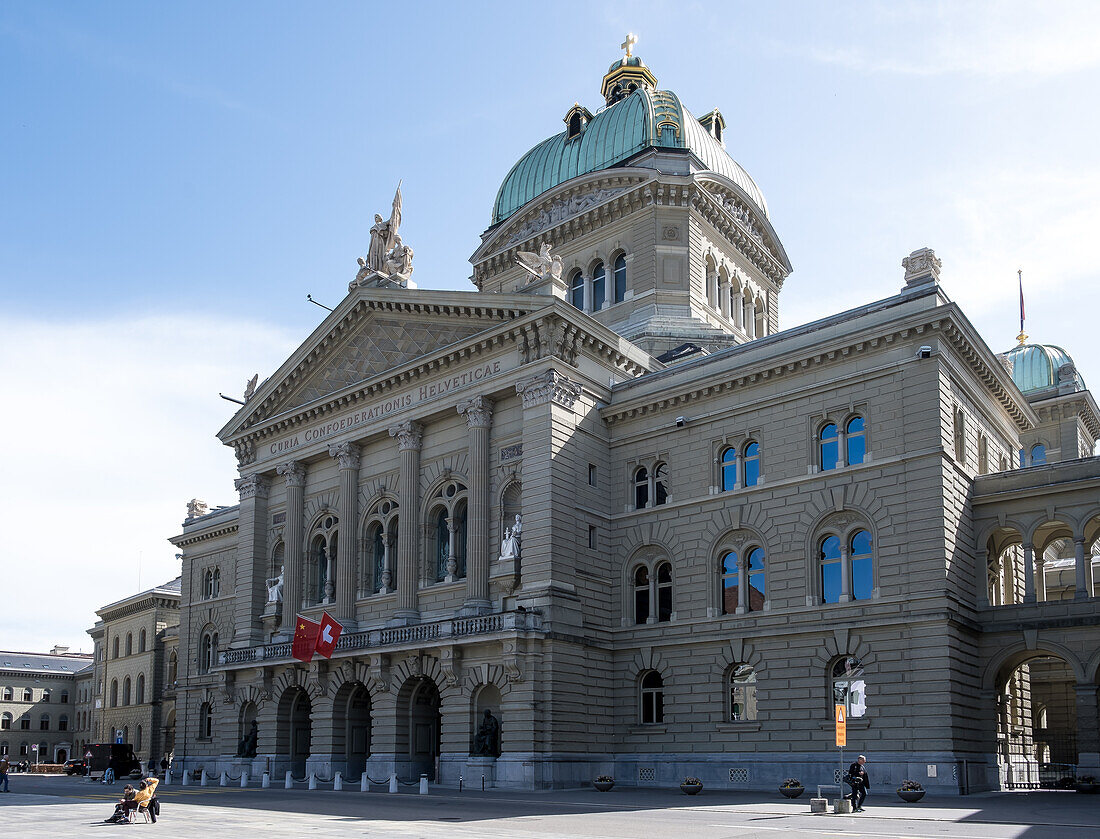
541	265
398	259
383	236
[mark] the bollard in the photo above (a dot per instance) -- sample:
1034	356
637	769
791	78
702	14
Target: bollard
289	780
203	780
337	782
483	783
186	778
460	783
223	781
423	784
819	805
265	780
244	777
312	780
363	782
842	805
167	778
393	782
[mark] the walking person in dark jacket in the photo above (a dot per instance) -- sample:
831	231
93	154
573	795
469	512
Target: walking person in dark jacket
859	781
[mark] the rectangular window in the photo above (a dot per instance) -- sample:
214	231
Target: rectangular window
591	474
591	537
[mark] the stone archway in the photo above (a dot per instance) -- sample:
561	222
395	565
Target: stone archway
295	728
351	726
419	727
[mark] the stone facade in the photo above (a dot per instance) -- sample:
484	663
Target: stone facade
714	549
38	704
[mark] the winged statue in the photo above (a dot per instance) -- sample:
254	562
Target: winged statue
541	265
250	387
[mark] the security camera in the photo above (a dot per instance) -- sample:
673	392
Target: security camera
681	422
924	352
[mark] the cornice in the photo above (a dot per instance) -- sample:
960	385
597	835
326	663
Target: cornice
143	605
184	540
766	253
1078	405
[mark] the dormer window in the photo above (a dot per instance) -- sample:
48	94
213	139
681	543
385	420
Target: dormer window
576	120
714	124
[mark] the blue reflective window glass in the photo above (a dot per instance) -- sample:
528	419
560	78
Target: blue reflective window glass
460	543
379	557
830	570
1023	458
1038	455
620	279
729	468
576	290
756	579
729	583
443	538
829	447
598	288
857	441
752	464
863	574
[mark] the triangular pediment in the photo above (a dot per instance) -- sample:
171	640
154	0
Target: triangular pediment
374	332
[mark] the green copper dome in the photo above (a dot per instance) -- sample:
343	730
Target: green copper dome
642	120
1035	366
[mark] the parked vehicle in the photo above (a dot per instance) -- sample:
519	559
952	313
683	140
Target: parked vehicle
75	767
119	755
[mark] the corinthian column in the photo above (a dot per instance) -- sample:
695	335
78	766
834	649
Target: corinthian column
295	475
408	436
479	419
251	560
347	456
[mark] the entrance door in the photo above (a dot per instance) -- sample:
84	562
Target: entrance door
300	731
357	746
424	729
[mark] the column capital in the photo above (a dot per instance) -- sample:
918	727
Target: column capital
251	486
549	386
293	472
346	454
478	411
409	435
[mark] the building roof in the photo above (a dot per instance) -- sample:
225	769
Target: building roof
1035	367
613	136
44	663
170	589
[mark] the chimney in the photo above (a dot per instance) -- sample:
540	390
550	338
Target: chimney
59	650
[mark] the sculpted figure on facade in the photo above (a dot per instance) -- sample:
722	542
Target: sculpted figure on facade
250	387
196	508
383	236
275	587
541	265
509	545
398	259
487	739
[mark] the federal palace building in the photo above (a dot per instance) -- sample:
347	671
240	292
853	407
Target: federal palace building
604	497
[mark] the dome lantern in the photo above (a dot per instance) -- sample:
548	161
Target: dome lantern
626	75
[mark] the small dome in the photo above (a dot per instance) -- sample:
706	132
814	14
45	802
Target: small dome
1035	367
626	61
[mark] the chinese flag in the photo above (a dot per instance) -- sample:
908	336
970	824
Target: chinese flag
328	634
306	633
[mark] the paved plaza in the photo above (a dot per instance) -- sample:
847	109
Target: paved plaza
61	806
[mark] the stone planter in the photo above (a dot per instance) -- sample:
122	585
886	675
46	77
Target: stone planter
1087	788
792	792
691	789
911	796
603	786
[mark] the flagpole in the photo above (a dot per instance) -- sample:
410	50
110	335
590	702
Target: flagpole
1022	337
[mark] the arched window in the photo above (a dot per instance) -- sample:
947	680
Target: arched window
8	694
173	668
449	522
44	722
729	468
652	698
126	691
47	695
378	556
141	641
742	693
24	748
849	686
25	722
28	695
756	579
960	435
641	595
599	287
731	576
863	572
1038	454
1041	719
856	443
114	651
114	693
829	447
574	124
660	490
206	721
641	488
442	544
983	455
664	592
752	463
5	721
830	569
208	651
1023	458
64	697
129	643
63	723
620	278
141	689
576	290
323	550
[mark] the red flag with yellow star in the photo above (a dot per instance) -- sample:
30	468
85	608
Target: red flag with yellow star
305	638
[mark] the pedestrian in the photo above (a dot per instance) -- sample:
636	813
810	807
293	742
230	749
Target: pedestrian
858	779
164	766
4	767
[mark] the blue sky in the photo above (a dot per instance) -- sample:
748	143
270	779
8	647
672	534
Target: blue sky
175	178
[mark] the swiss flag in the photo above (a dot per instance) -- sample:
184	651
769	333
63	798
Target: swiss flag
306	633
328	635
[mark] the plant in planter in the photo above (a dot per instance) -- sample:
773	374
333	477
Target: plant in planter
691	786
603	783
792	788
910	791
1087	784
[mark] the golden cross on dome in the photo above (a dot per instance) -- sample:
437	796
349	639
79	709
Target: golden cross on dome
629	43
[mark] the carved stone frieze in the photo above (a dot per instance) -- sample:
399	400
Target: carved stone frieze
346	455
549	386
561	210
450	662
245	450
921	266
409	435
513	669
251	486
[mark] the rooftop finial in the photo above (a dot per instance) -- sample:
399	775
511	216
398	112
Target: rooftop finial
628	44
1022	337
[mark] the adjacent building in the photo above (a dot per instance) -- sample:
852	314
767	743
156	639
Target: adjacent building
608	500
38	701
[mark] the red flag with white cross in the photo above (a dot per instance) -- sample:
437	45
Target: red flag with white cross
306	633
328	635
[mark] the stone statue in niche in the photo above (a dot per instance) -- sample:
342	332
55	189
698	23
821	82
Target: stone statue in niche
248	743
487	739
275	587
